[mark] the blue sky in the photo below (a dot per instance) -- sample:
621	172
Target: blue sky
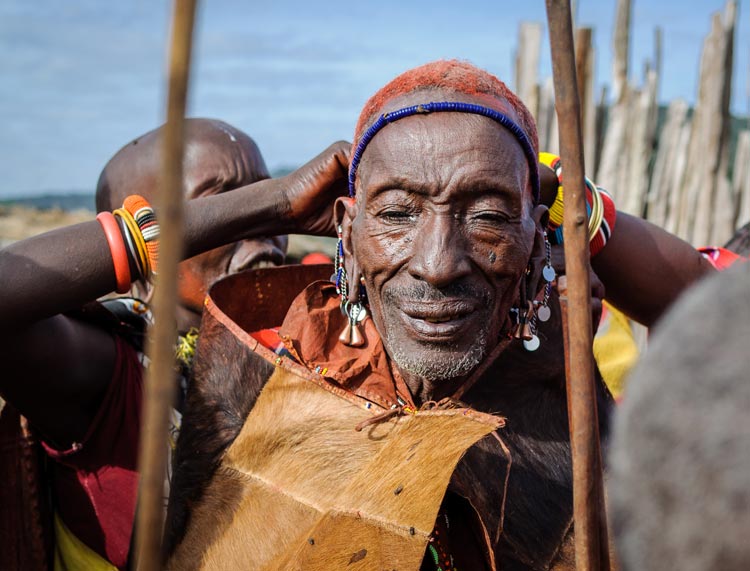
80	78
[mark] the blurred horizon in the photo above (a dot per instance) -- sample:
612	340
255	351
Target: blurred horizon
80	79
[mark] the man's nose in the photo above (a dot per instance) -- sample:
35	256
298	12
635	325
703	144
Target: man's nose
439	254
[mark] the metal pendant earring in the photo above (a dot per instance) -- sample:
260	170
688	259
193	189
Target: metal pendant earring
355	312
540	310
525	313
531	341
543	311
526	329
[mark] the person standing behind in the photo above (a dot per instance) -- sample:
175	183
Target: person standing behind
74	369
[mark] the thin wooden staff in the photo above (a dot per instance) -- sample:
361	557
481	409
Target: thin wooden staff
160	377
590	531
601	517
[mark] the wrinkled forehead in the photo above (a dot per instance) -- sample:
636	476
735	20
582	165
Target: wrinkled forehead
222	162
450	157
490	115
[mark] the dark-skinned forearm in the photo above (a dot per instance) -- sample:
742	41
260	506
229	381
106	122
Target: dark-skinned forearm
247	212
645	269
54	272
63	269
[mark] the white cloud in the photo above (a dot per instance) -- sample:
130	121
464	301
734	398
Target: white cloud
79	79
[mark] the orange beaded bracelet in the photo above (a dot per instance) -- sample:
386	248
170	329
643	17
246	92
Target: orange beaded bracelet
117	249
144	216
137	237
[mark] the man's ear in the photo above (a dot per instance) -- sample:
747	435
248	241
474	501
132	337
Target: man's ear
345	211
538	258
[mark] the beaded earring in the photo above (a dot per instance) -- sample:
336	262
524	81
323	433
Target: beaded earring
355	312
530	312
543	311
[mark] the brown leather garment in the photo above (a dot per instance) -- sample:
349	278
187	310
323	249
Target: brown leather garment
301	489
523	499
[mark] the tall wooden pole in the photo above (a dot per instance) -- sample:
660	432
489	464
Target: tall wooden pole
160	377
590	529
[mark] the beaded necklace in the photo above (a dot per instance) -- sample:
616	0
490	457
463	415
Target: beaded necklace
438	546
185	348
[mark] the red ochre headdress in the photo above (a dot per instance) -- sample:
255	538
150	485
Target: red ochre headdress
501	105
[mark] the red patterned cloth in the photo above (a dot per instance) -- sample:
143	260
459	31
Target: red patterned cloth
721	258
95	482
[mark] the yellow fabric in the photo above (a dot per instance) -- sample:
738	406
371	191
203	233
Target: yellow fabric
557	208
71	554
615	349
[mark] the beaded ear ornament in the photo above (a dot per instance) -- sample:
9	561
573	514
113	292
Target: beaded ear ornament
355	312
534	311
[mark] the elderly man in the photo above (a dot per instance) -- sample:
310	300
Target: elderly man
76	375
411	413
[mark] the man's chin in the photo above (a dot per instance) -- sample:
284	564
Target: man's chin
437	364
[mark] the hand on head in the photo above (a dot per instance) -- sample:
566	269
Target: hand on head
311	190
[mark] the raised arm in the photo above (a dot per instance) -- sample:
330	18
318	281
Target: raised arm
57	368
644	268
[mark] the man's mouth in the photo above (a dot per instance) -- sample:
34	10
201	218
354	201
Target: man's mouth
438	319
267	259
259	264
443	320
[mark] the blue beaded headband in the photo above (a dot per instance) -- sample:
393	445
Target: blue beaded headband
455	106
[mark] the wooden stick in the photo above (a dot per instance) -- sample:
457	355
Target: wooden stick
160	376
590	546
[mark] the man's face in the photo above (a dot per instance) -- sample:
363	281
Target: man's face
216	173
441	233
198	273
218	158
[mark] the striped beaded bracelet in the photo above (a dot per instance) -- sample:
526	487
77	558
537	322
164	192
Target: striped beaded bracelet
140	233
607	224
132	248
600	208
139	254
144	217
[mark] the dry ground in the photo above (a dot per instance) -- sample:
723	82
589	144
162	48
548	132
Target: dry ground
19	222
